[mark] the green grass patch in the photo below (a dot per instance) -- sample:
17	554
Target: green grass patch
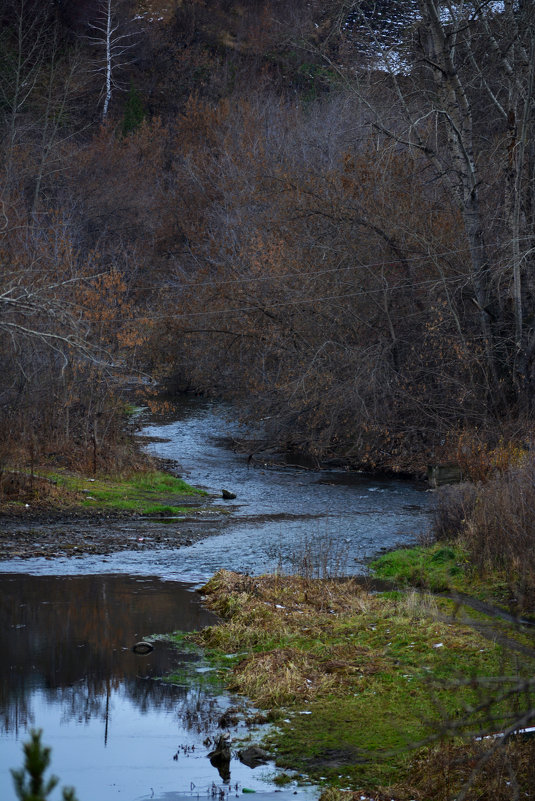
149	493
443	567
438	567
359	681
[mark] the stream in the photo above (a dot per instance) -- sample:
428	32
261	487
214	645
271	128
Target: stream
69	624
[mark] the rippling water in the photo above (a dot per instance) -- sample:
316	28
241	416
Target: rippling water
279	511
69	624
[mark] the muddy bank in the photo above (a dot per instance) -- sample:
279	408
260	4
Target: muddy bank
50	530
58	533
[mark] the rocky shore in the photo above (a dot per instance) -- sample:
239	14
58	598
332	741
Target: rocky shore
52	534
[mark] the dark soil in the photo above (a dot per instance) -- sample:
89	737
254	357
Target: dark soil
27	533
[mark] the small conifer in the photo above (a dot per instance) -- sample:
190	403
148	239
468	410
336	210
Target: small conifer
30	783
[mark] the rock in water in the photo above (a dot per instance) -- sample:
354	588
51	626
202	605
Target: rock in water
220	756
253	756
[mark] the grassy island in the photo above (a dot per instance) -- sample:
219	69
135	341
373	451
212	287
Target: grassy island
146	492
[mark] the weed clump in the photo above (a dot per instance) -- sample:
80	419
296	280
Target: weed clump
495	522
360	686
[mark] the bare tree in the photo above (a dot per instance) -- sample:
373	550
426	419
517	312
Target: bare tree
424	92
115	46
23	46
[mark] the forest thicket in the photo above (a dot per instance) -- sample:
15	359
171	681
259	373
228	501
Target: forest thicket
323	210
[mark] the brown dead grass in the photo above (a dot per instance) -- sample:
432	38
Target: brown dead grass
299	634
320	644
21	488
478	770
286	610
294	676
295	594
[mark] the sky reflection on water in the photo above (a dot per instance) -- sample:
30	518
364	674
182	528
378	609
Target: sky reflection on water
69	624
70	670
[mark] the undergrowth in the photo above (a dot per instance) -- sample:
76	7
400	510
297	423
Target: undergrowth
151	492
483	542
359	683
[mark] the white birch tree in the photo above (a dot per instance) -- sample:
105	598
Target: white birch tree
460	76
114	45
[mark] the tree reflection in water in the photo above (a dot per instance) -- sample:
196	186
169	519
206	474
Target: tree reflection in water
199	712
72	639
115	732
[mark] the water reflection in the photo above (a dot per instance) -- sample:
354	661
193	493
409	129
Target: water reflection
72	637
69	668
68	664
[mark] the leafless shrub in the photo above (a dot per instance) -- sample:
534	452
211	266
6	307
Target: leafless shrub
453	506
496	523
316	556
500	531
475	770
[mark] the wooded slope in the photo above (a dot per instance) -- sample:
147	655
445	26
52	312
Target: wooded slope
324	212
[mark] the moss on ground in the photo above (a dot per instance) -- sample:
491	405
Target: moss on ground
443	567
361	685
150	493
438	567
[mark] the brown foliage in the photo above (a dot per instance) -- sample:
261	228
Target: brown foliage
60	321
262	240
325	292
495	521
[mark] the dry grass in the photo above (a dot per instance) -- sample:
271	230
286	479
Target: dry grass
377	676
478	771
452	508
271	613
419	605
495	522
294	676
21	488
228	592
305	638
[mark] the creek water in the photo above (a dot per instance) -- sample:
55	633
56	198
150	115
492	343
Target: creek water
69	624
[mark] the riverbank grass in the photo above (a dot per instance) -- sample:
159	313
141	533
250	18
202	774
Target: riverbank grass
443	568
438	568
148	493
360	686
